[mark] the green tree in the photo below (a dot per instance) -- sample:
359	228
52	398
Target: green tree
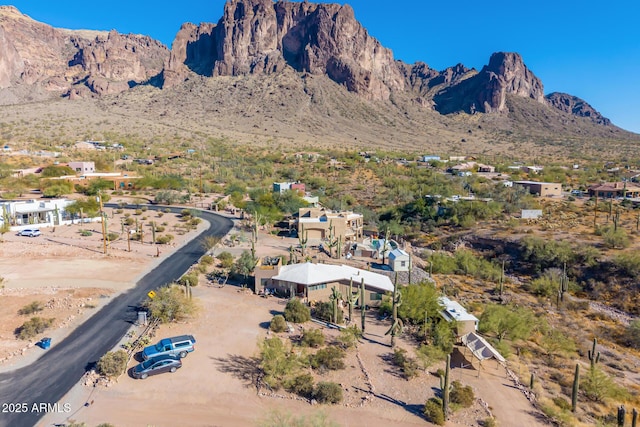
244	265
296	311
507	322
170	304
277	362
418	301
226	260
632	334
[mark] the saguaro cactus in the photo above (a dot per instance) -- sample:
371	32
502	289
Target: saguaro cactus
335	297
362	305
593	356
634	417
351	300
445	388
396	327
621	414
576	386
303	238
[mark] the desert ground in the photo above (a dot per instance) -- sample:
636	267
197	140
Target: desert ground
72	277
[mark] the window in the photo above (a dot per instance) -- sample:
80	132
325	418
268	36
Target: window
374	296
318	287
403	263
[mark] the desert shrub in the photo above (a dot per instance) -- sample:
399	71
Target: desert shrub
276	418
562	403
302	385
407	365
632	334
190	279
160	228
185	213
112	236
165	240
430	354
461	395
296	311
33	327
278	324
597	386
489	422
324	310
328	358
129	221
31	308
138	212
433	411
349	336
312	338
277	362
386	306
206	260
86	233
226	259
170	304
194	222
113	363
328	392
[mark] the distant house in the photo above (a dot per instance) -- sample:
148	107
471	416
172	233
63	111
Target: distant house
486	168
430	158
318	224
83	167
313	282
453	312
611	190
120	180
398	260
542	189
281	187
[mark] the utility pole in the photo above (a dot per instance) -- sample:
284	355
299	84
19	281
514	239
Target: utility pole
104	225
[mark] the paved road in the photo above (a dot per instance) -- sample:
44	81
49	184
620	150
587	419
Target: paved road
48	379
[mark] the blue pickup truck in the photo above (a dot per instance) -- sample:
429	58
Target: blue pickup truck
178	346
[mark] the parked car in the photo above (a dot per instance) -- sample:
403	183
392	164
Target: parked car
178	346
29	232
156	365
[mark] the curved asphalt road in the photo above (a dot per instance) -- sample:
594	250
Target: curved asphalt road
48	379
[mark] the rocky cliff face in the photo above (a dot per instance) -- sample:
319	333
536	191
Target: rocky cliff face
486	92
73	62
576	106
259	37
262	37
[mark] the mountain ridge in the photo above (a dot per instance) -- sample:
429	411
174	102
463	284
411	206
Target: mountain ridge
303	40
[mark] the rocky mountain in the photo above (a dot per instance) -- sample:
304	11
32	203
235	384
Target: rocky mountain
262	38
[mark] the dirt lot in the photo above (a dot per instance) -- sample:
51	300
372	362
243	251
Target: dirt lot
72	277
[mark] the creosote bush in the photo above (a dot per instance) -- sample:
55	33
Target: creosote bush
278	324
33	327
312	338
296	311
328	358
113	363
433	411
31	308
407	365
302	385
328	392
461	395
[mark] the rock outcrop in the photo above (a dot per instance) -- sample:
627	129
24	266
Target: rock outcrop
258	37
486	92
262	37
576	106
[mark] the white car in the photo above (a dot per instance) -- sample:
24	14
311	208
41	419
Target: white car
29	232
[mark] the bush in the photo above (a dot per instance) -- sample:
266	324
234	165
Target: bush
190	279
170	304
349	336
296	311
433	411
324	311
461	395
165	240
407	365
206	260
327	392
226	259
31	308
302	385
33	327
632	334
328	358
278	324
113	363
112	236
86	233
312	338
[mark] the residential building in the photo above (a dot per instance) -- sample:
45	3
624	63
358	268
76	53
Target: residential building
610	190
41	213
319	224
313	282
399	260
265	269
120	180
430	158
453	312
82	168
281	187
542	189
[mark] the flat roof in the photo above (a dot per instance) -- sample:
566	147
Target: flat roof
454	311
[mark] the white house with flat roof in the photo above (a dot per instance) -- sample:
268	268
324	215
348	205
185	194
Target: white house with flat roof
35	213
453	312
313	282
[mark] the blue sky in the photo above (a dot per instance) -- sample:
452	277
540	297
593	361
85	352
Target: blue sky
586	48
